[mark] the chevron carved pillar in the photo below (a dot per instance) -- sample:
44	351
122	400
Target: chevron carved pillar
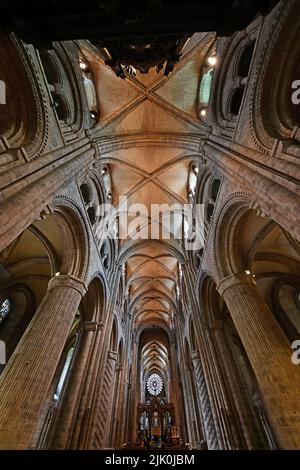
209	425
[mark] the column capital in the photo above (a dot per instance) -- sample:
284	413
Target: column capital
234	280
112	355
67	280
195	355
101	325
90	325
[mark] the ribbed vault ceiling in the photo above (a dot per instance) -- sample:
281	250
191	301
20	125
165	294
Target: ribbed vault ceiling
149	133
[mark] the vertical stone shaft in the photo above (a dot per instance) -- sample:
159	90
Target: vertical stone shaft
209	425
105	404
82	423
27	377
116	416
68	411
230	431
270	355
189	406
236	392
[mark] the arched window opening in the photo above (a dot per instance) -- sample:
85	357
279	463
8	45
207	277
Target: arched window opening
59	85
236	101
49	67
144	421
68	356
198	258
61	107
89	88
64	373
286	306
90	93
114	336
192	180
86	192
245	60
209	211
241	75
106	178
215	187
205	88
206	81
92	214
92	200
104	252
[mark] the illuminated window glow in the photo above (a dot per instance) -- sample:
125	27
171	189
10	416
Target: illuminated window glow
154	384
5	309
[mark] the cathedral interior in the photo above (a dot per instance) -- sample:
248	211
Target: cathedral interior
150	235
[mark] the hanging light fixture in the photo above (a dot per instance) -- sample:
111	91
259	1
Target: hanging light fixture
212	60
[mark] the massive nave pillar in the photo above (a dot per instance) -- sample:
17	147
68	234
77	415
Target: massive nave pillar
270	355
27	377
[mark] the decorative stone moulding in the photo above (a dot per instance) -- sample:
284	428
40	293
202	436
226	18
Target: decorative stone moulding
24	120
272	113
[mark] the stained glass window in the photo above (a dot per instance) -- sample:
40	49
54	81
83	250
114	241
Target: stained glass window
154	384
205	87
5	308
73	337
64	373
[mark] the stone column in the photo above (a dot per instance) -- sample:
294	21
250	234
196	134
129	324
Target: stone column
270	355
115	418
223	408
104	408
27	377
209	425
83	414
71	398
189	405
121	432
128	424
135	392
174	389
207	361
243	417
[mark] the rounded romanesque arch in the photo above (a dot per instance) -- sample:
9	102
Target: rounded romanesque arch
111	274
231	80
114	336
209	299
94	302
93	197
206	77
263	250
225	235
272	112
24	120
66	88
75	235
